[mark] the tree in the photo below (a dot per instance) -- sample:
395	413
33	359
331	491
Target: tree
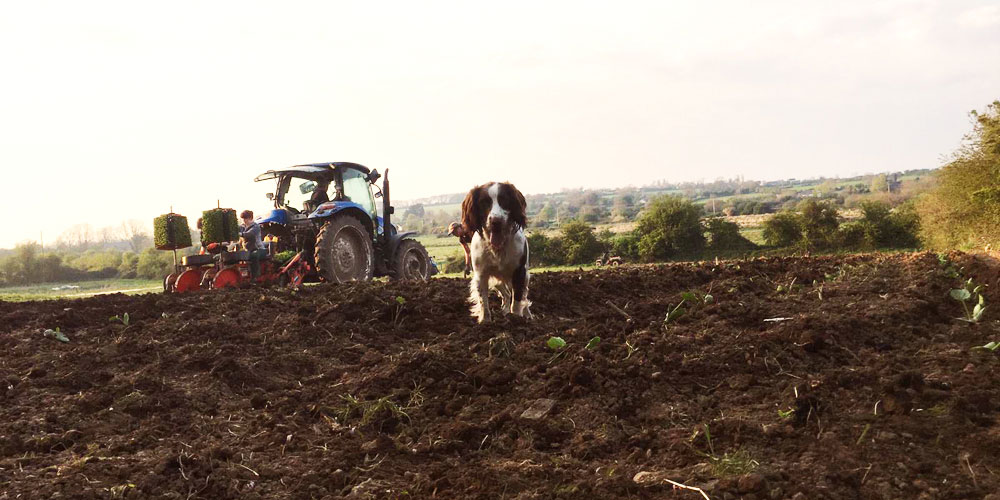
79	236
134	232
783	229
724	235
548	212
580	242
880	184
623	207
964	209
819	224
624	245
669	227
416	209
154	264
128	268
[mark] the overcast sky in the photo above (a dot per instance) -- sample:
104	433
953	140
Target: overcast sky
115	110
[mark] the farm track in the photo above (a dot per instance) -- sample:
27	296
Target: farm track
868	390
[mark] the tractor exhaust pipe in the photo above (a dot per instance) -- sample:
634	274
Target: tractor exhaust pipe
386	207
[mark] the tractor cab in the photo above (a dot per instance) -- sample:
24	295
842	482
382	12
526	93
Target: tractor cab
318	190
328	211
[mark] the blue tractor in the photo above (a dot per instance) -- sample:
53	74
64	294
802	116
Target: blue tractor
326	212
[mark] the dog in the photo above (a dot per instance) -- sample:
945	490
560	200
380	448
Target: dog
493	222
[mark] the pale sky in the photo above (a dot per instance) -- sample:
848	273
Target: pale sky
116	110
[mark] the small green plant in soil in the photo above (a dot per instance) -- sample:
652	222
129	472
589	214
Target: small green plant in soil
970	293
396	315
673	314
991	346
555	343
593	343
123	319
947	266
694	298
558	345
56	334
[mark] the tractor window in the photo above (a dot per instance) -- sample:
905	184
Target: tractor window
299	191
357	190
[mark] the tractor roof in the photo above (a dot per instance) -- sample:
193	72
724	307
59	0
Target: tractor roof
312	169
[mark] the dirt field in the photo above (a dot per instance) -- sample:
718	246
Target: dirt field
869	389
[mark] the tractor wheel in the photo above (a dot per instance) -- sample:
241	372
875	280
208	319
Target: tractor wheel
344	251
411	262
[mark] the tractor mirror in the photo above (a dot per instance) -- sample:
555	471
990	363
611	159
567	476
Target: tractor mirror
307	187
373	176
270	196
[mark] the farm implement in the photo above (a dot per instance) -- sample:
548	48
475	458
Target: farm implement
231	270
324	216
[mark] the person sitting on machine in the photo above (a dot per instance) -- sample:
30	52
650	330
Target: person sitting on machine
250	234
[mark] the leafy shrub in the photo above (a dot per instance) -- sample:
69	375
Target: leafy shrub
725	235
624	245
783	229
128	267
669	227
538	247
964	209
881	227
579	242
454	264
853	235
154	264
819	224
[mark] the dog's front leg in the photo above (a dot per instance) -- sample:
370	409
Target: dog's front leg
479	295
506	298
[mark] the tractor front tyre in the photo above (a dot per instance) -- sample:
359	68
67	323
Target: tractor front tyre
411	262
344	251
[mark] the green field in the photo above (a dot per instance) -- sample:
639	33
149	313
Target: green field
84	289
440	248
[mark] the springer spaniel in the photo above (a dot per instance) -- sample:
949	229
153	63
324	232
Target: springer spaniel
493	222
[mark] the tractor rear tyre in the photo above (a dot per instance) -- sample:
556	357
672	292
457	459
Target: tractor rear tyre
410	262
344	251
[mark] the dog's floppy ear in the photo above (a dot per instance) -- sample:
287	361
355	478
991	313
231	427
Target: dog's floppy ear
519	212
472	220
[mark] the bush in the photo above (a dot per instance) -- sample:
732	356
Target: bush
154	264
454	264
624	245
880	227
26	266
783	229
819	224
852	235
963	210
580	244
669	227
127	268
725	235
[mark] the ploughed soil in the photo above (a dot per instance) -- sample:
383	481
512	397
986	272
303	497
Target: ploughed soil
865	386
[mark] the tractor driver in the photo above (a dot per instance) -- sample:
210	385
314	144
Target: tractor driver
250	234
